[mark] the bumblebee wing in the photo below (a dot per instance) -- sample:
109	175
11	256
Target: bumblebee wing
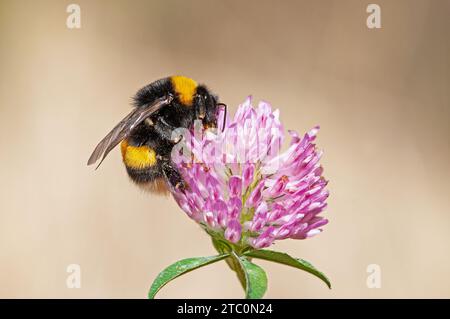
124	128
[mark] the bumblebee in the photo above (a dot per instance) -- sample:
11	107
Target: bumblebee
146	135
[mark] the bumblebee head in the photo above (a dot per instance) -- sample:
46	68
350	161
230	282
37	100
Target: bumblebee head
197	97
208	106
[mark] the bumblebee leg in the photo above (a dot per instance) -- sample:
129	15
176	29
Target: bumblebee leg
165	130
200	108
173	177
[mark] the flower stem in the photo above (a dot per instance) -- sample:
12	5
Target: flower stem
223	247
234	265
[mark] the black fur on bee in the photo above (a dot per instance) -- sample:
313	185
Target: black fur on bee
146	133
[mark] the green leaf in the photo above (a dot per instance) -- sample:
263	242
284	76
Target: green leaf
285	259
180	268
255	277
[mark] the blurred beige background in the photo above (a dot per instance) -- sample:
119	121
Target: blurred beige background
381	97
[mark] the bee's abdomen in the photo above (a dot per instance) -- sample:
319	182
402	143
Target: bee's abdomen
137	157
148	180
143	167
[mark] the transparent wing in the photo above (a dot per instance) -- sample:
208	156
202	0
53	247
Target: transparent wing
124	128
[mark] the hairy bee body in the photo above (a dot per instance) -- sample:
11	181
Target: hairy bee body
146	133
143	155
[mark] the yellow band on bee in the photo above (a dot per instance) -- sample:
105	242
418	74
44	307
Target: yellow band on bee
137	156
185	88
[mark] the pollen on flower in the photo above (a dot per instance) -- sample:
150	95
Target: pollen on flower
243	189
